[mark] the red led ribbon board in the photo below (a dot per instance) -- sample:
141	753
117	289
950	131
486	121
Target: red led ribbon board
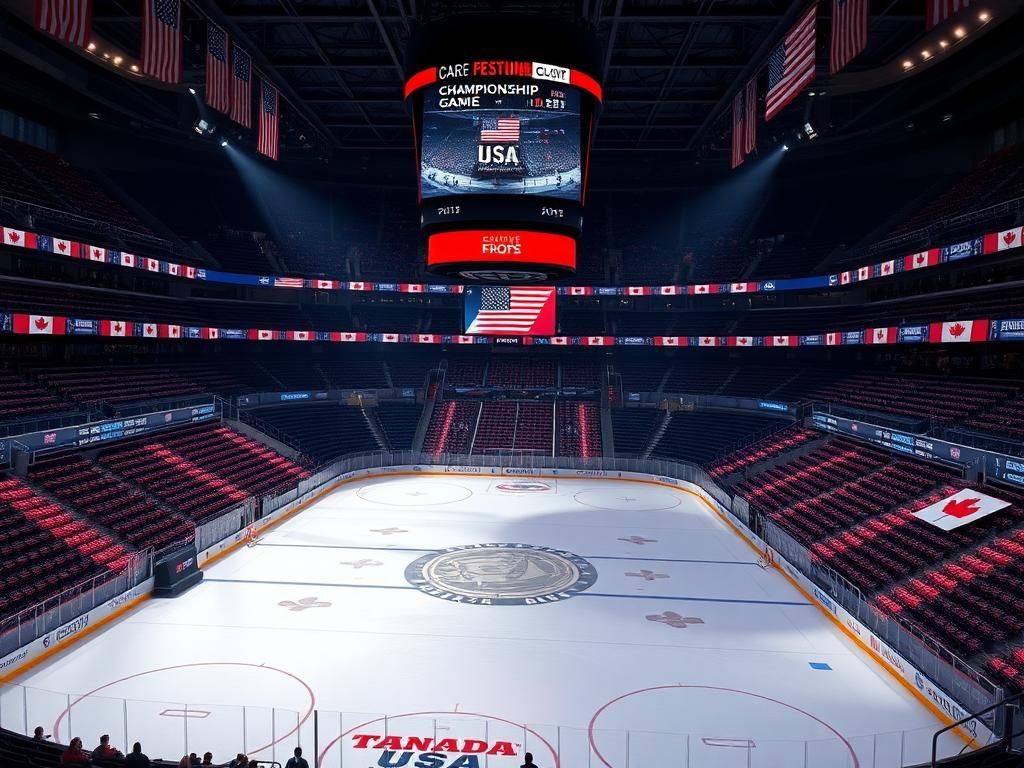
494	248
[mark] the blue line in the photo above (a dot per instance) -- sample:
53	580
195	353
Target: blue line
308	584
694	599
668	560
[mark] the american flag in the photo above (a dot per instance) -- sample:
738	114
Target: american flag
940	10
744	122
849	32
161	40
241	87
507	132
268	143
498	310
218	73
288	282
67	20
791	66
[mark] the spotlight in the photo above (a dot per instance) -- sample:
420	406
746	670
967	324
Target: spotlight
984	16
943	44
117	61
135	67
106	56
926	54
907	64
91	47
959	33
785	147
224	143
192	90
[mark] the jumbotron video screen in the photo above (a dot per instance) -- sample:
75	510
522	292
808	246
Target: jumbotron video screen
506	138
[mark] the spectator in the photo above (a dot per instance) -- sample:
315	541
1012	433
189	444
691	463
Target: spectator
104	751
240	761
38	734
193	759
184	762
298	761
208	758
529	761
136	759
74	754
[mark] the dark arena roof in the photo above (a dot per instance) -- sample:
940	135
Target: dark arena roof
772	249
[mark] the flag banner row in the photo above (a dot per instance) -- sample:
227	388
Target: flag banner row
952	332
983	245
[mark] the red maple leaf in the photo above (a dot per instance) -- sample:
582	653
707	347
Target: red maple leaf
961	507
117	327
707	340
743	339
1010	236
880	333
920	258
15	237
956	330
149	329
886	267
96	252
41	323
62	246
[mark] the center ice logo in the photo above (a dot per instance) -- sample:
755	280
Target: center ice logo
397	751
501	574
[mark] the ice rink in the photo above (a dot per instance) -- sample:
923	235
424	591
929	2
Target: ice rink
632	628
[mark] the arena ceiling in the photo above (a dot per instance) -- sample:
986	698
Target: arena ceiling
671	67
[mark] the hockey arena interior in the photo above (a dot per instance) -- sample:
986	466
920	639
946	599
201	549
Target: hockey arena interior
482	384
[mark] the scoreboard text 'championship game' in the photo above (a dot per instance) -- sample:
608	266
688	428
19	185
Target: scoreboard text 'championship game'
503	145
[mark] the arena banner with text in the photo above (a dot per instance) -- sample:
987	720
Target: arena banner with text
982	245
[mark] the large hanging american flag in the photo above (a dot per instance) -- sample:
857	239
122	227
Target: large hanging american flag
507	132
218	73
744	122
513	311
940	10
849	32
241	87
267	143
791	66
67	20
161	40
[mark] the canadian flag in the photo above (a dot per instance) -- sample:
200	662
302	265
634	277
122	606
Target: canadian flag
114	328
637	290
560	341
881	335
19	238
357	287
152	265
389	338
1003	241
961	508
97	254
921	259
189	272
597	341
127	259
702	288
325	284
349	336
150	331
781	341
169	331
579	290
864	273
845	278
298	335
427	338
742	341
173	269
209	333
39	324
742	287
666	341
887	268
412	287
832	339
65	247
261	334
708	341
463	339
959	331
669	290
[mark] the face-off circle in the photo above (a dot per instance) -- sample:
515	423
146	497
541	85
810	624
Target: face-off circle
501	574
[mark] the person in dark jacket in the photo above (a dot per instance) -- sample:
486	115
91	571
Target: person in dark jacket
529	761
39	734
74	754
298	761
136	759
104	751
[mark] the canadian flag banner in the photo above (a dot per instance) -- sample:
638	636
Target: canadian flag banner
97	254
189	272
560	341
115	328
702	288
832	339
209	333
669	290
66	248
39	324
597	341
742	287
1003	241
360	286
864	273
412	288
462	340
149	331
922	259
845	278
350	336
427	338
19	238
707	341
667	341
299	335
958	331
637	290
173	269
741	341
781	341
152	265
127	259
881	335
580	290
887	268
389	338
169	331
260	334
961	508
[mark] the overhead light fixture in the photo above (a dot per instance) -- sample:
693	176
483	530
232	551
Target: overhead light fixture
135	67
91	47
224	143
106	56
785	147
192	90
926	54
959	33
117	61
907	64
984	16
943	44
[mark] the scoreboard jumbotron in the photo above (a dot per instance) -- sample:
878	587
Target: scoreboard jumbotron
503	145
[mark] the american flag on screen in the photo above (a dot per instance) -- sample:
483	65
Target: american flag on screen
267	143
218	72
67	20
241	87
744	122
515	310
791	66
849	32
288	282
940	10
507	132
161	40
